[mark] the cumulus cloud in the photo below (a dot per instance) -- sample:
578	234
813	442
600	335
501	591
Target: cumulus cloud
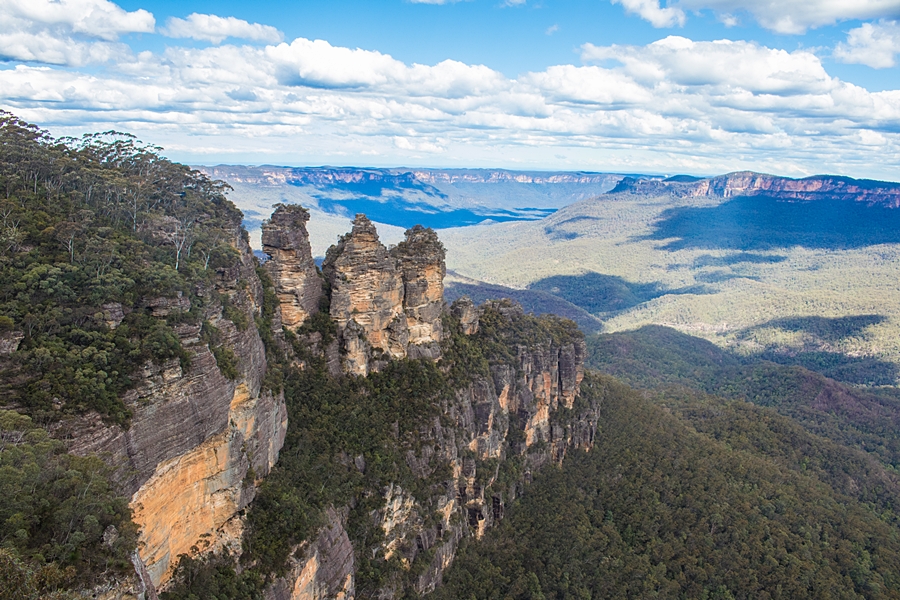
215	29
737	65
722	104
651	11
67	32
872	44
95	18
782	16
318	64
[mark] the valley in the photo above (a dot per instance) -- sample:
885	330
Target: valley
389	418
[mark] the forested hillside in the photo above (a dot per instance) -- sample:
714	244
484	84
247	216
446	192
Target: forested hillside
689	497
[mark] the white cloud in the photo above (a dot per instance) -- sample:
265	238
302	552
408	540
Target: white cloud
45	48
782	16
737	65
215	29
95	18
68	32
872	44
723	104
552	29
651	11
318	64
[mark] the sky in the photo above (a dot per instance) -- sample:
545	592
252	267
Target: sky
791	87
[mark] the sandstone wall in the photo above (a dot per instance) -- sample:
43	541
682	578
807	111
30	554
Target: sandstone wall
198	442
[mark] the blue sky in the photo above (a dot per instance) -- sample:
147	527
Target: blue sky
700	86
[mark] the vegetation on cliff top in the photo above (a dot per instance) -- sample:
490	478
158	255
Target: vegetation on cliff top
92	228
62	523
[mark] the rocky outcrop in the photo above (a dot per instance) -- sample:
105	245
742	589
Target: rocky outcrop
421	261
367	290
325	570
291	265
467	314
387	305
198	441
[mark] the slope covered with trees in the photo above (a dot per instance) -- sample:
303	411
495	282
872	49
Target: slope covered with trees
92	230
662	509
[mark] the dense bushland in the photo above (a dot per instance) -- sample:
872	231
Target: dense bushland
90	227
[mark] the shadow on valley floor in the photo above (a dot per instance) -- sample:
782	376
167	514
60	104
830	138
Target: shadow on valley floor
721	276
598	293
749	223
826	329
737	258
821	331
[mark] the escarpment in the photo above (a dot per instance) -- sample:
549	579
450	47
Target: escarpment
748	183
201	437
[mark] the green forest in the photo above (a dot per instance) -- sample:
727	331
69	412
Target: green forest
661	508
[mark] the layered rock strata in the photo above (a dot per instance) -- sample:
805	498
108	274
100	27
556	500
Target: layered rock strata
387	304
198	442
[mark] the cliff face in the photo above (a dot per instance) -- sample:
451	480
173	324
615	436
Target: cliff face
746	183
387	305
522	409
198	442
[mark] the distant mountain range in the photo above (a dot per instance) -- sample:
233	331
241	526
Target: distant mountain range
748	183
437	198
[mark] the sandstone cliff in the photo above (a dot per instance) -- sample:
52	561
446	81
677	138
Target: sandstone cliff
198	441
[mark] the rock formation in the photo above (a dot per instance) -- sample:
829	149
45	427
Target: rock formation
387	305
199	442
367	290
291	265
421	261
